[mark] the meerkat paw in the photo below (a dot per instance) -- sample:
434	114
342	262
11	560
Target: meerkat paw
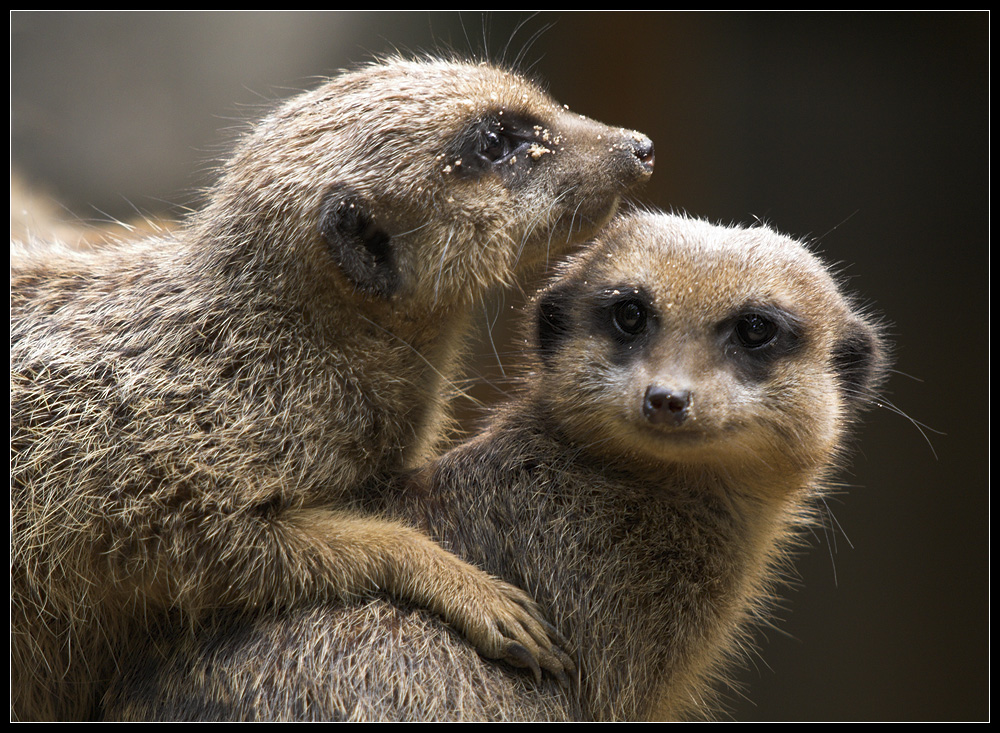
505	623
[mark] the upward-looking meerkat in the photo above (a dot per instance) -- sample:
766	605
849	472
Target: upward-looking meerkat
192	414
690	391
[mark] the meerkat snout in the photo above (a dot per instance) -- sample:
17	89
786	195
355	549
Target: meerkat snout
666	405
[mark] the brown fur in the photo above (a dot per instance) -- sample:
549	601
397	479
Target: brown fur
192	414
651	528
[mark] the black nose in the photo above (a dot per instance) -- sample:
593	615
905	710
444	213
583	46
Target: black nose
642	146
666	406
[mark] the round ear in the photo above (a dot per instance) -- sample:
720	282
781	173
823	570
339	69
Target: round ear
361	249
861	361
553	311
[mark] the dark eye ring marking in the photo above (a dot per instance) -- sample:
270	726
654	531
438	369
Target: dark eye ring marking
491	141
757	336
625	314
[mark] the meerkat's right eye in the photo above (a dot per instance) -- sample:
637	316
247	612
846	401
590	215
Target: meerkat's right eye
629	316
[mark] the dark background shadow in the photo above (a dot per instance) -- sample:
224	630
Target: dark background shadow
866	131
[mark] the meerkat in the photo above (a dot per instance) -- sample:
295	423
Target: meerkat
192	415
689	394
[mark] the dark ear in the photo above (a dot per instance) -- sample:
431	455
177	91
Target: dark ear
360	248
860	361
552	313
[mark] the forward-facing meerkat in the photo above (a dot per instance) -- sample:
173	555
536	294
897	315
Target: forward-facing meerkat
192	414
689	395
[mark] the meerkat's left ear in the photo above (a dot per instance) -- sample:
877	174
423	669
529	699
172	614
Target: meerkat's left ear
553	310
362	250
861	361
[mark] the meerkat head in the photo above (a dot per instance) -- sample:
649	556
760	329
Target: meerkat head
675	340
426	181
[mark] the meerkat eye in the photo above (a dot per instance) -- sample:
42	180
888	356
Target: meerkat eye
629	316
754	330
496	144
492	142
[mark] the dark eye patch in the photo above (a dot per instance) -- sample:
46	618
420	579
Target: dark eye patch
492	143
626	316
757	336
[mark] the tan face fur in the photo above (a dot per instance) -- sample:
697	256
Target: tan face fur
679	341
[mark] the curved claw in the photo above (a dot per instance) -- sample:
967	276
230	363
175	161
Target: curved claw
560	640
515	628
519	656
537	637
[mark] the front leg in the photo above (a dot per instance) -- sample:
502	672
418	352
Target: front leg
301	555
498	619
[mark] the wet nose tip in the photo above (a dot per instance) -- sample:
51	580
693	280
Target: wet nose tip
664	405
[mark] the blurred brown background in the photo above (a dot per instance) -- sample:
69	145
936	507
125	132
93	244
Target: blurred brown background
867	131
